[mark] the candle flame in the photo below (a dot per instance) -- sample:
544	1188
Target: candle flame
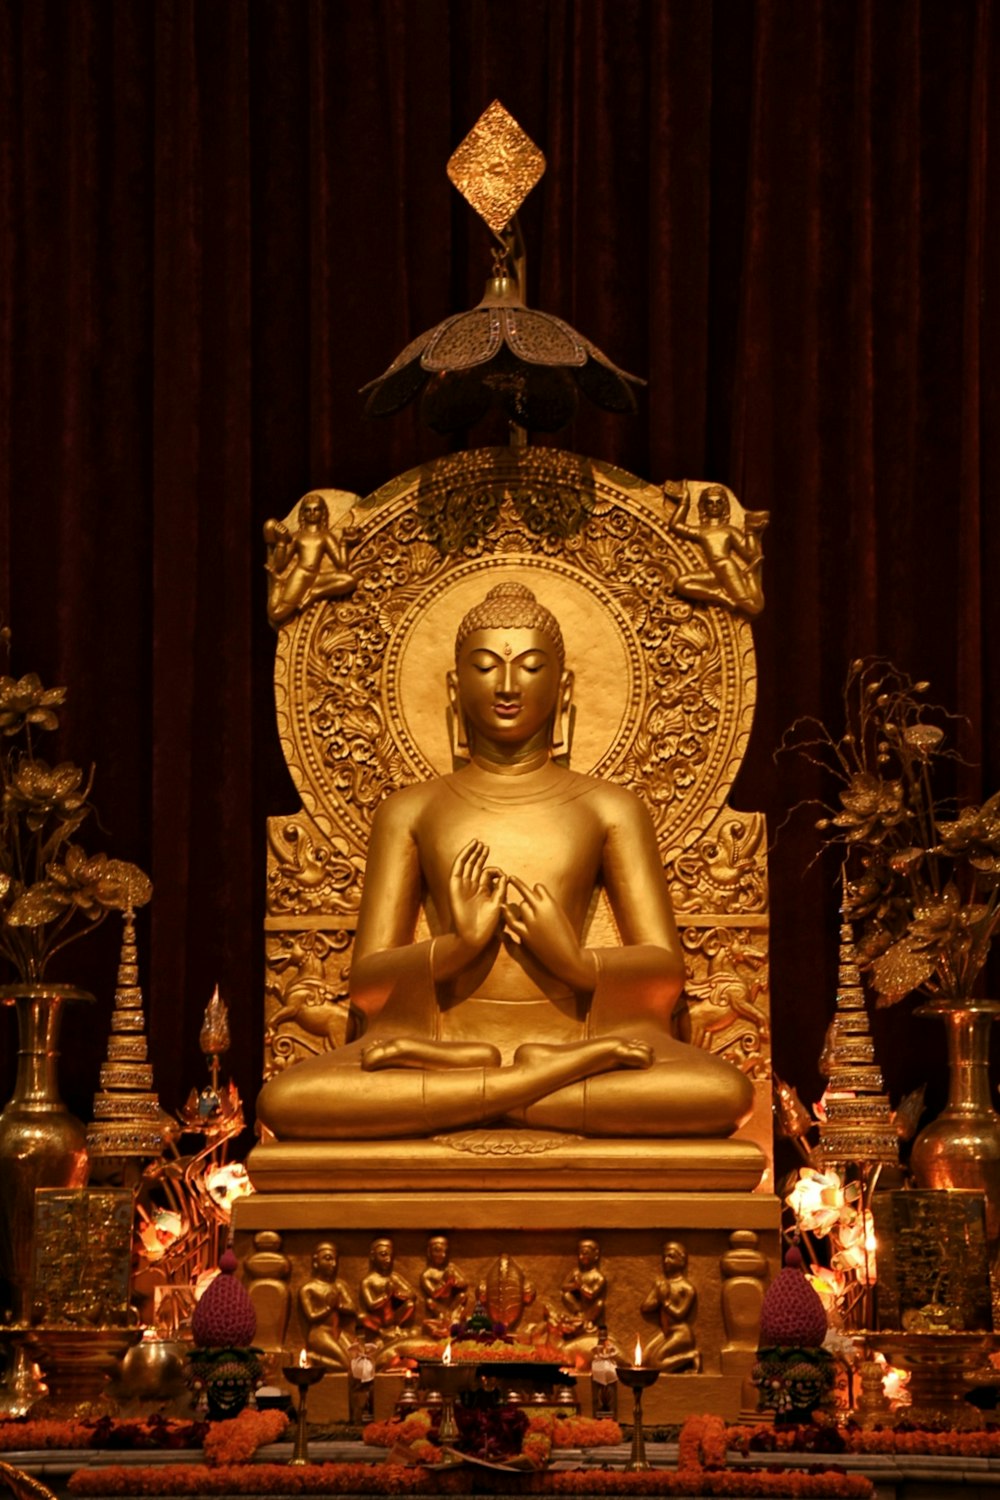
637	1359
303	1360
446	1356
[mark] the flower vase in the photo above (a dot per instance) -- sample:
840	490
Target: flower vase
961	1147
41	1144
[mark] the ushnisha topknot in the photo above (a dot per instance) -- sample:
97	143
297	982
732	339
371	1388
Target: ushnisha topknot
511	606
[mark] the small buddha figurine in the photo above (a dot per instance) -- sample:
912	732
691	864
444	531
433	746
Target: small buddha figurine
505	1013
328	1311
445	1289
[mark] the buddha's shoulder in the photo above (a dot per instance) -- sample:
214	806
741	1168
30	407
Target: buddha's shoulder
406	803
615	802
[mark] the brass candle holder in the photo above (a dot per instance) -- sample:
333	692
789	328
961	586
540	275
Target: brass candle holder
939	1366
450	1379
638	1378
302	1376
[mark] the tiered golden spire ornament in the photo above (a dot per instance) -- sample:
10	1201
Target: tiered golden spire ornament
859	1126
126	1109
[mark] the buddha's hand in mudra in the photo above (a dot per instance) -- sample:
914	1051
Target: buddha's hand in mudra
539	922
475	894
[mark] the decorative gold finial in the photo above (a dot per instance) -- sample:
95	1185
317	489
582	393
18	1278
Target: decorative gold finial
496	166
214	1035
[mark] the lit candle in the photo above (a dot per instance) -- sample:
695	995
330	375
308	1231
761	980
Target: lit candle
637	1358
446	1356
303	1360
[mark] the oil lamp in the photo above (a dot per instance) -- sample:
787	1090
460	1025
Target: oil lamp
302	1375
638	1378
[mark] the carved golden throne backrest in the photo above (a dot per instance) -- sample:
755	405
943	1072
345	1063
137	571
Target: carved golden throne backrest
663	702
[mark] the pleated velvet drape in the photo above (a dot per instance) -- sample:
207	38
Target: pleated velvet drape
221	217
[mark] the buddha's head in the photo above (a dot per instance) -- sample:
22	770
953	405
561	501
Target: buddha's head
510	687
588	1253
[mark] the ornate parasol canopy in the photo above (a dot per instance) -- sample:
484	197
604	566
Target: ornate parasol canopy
531	362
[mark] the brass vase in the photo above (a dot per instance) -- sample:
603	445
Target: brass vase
961	1148
41	1143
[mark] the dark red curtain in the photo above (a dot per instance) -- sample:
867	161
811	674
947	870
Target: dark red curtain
220	218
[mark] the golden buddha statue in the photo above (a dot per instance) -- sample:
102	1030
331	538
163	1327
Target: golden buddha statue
504	1014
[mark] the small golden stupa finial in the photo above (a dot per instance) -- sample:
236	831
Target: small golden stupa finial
496	166
127	1123
859	1125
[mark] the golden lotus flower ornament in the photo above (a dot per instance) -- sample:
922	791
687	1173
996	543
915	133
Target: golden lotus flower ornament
529	361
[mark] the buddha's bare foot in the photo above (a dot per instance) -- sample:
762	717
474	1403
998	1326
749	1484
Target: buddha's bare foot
412	1052
383	1055
596	1056
633	1054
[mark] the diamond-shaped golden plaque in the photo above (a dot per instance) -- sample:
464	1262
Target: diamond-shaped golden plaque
496	166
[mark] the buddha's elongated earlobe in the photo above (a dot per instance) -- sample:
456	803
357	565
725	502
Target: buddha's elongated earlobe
558	737
456	724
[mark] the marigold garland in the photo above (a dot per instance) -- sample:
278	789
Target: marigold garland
567	1432
394	1479
585	1432
702	1442
237	1439
982	1443
25	1436
154	1431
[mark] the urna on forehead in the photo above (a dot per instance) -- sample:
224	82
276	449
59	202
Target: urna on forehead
511	606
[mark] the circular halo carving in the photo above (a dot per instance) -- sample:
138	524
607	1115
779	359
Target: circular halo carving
362	709
601	651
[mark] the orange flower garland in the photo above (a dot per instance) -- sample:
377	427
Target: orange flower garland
414	1429
110	1432
393	1479
585	1432
983	1443
237	1440
26	1436
702	1442
536	1445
